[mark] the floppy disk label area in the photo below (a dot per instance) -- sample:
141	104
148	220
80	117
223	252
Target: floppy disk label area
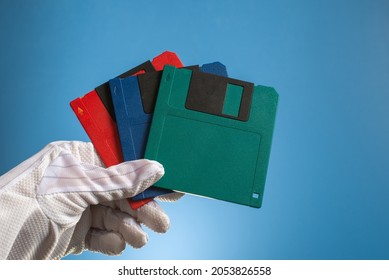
222	160
220	152
220	96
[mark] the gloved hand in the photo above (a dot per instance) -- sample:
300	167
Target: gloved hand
62	201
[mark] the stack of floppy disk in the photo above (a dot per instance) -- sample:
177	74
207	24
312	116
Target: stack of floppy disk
212	133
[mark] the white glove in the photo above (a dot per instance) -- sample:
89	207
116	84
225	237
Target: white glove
62	201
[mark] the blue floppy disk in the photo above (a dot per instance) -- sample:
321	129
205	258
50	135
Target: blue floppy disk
134	100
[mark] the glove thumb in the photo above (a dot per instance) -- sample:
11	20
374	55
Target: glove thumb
69	186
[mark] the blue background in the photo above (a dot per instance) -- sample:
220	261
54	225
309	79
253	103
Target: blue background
327	192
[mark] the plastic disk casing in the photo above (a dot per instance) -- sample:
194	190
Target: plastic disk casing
213	135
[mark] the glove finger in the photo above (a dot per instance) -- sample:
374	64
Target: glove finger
75	185
106	218
170	197
150	214
106	242
68	175
153	216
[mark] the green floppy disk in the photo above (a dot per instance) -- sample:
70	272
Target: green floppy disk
213	135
